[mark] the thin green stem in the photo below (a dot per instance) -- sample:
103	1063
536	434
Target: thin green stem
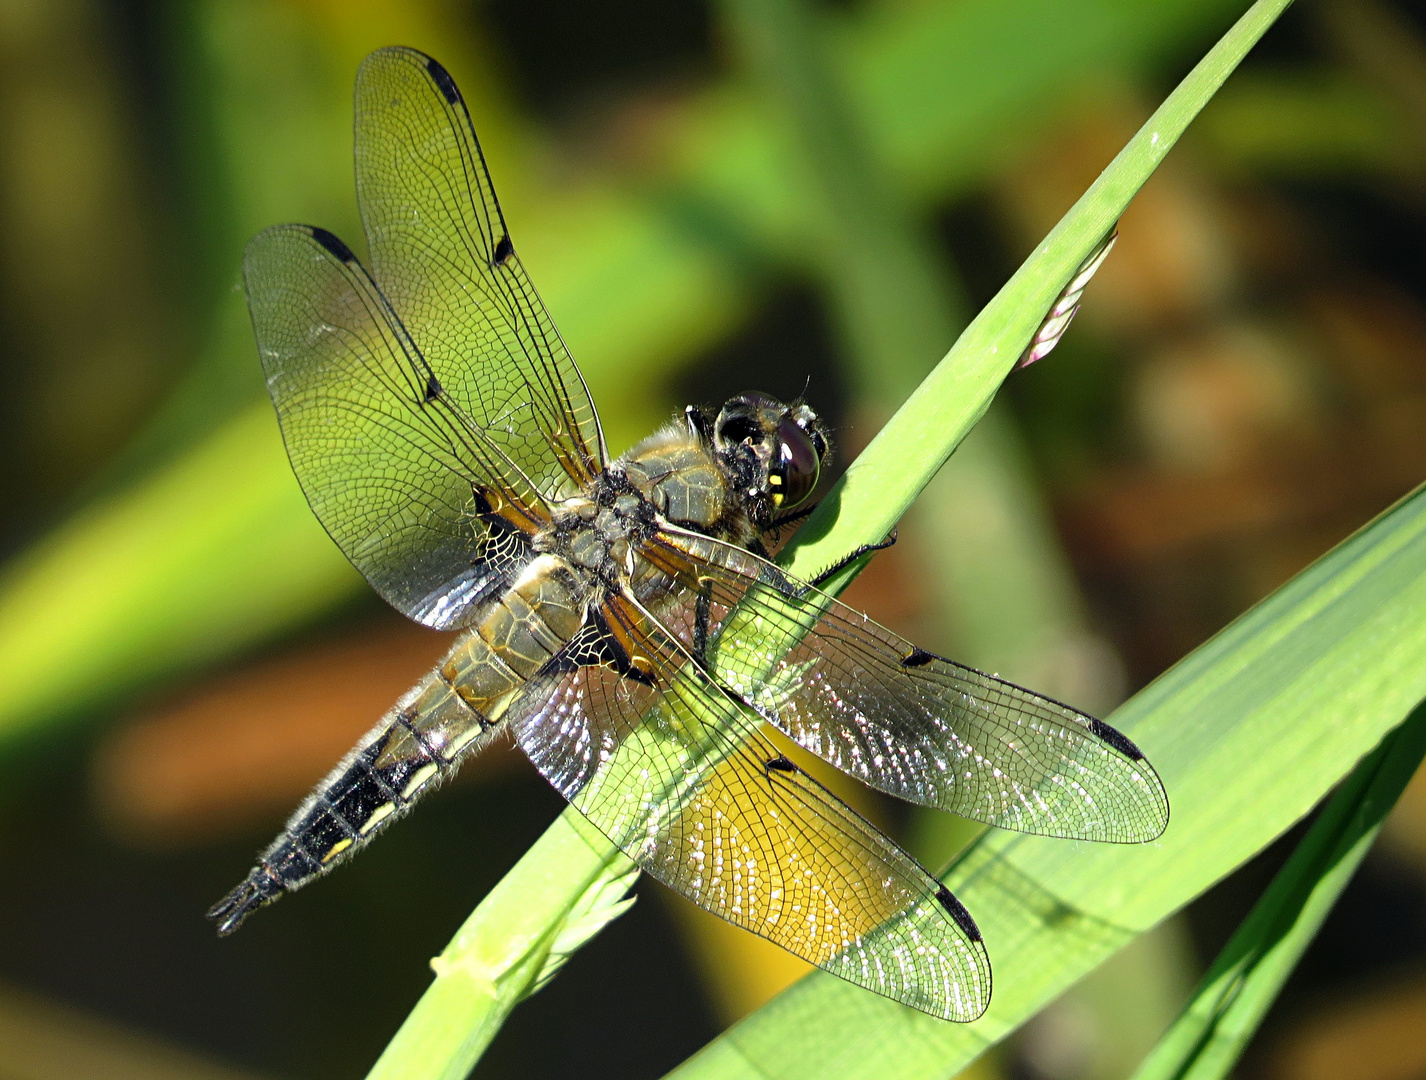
561	892
885	479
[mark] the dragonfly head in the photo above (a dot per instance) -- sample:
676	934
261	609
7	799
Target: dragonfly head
783	446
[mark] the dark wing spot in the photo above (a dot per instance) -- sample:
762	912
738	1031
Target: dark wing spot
503	250
433	389
332	243
1115	739
917	658
442	78
956	910
597	646
780	764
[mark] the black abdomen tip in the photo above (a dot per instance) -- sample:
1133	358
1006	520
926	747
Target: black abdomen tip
258	889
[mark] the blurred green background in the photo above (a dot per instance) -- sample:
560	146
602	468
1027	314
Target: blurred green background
183	652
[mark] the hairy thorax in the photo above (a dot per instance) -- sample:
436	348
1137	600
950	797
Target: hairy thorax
668	478
688	484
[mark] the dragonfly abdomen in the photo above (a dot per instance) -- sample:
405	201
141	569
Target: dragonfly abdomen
417	742
442	719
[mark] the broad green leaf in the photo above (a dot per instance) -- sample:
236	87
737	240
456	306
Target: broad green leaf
1209	1037
1248	733
434	1041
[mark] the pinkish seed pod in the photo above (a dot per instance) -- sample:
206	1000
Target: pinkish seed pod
1064	309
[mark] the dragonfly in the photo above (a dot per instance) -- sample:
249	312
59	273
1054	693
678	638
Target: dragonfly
620	618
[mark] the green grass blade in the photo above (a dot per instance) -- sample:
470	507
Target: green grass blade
562	892
436	1037
881	484
1226	1009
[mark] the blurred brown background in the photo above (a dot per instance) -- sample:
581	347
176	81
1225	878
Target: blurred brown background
1245	386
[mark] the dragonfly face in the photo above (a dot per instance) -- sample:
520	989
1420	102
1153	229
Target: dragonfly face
783	446
618	617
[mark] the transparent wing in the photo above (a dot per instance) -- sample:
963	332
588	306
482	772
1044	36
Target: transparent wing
898	718
422	503
442	255
674	771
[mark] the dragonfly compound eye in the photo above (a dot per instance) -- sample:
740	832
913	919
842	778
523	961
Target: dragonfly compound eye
792	474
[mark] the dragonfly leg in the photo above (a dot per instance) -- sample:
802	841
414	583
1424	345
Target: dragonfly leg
792	517
700	623
847	560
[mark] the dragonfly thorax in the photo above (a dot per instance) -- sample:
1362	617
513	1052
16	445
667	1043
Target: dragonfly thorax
595	532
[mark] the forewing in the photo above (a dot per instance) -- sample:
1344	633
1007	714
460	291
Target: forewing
442	254
421	503
901	719
674	771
